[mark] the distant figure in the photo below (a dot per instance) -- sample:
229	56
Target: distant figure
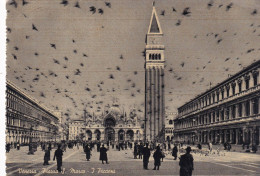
186	163
98	146
254	148
140	150
87	150
103	154
146	156
7	147
47	156
175	151
157	158
135	151
18	146
210	147
58	155
199	146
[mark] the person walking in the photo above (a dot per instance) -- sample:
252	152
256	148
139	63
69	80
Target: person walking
175	151
210	147
87	150
135	151
47	156
58	155
103	154
146	156
157	158
186	163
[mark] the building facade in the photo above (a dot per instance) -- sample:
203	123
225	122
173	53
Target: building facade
113	125
26	120
154	82
227	112
169	127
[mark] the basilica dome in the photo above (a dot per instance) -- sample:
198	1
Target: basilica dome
114	109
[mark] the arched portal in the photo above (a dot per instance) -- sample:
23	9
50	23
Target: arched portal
109	134
121	135
88	135
130	135
97	134
110	122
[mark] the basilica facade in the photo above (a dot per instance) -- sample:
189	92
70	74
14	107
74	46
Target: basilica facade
114	125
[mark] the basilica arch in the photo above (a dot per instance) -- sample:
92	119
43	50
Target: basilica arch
130	135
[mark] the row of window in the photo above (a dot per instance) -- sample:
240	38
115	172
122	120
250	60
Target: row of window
225	91
232	112
23	107
23	123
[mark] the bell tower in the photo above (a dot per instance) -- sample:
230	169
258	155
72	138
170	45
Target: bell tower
154	81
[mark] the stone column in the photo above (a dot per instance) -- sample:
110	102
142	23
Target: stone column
237	136
216	136
231	136
244	135
225	136
220	136
251	104
237	110
251	136
208	136
243	109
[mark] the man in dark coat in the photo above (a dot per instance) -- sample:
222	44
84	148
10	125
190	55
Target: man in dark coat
98	146
47	156
186	163
175	151
7	148
135	151
140	150
87	150
157	158
58	155
146	156
103	154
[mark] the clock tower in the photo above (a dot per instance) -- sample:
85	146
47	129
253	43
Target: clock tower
154	81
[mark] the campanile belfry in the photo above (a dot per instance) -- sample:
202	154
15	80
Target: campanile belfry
154	81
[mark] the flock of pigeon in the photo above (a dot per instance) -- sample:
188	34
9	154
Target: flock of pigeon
65	80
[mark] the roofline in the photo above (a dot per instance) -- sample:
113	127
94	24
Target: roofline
223	82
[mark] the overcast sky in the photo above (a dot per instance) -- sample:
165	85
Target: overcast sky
75	59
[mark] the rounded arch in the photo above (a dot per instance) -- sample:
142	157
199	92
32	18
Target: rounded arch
110	122
97	134
130	135
159	56
88	135
156	56
121	135
150	56
109	134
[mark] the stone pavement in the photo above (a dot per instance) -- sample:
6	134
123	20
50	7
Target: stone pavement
122	163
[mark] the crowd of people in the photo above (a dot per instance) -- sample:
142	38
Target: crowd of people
141	150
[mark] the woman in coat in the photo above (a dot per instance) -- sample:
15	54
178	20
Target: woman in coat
157	158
